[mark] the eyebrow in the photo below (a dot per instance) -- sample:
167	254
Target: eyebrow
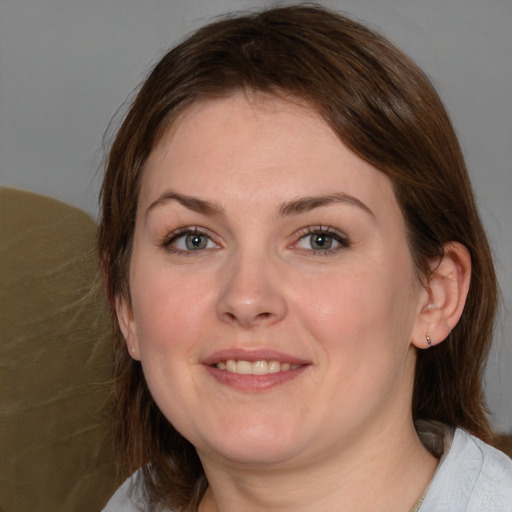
192	203
293	207
306	204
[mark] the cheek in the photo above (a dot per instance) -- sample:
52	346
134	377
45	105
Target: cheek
360	309
169	311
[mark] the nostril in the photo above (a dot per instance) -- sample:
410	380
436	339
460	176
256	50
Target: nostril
230	316
246	318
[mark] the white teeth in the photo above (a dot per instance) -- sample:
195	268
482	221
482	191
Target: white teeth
260	367
231	366
244	367
274	366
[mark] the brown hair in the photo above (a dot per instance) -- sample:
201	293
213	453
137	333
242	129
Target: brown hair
386	111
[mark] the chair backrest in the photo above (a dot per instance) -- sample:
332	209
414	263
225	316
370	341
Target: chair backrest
55	359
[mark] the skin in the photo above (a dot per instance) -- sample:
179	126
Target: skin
353	314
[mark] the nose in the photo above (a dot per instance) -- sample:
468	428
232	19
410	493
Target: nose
251	293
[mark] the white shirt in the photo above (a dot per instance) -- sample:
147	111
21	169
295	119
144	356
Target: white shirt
472	477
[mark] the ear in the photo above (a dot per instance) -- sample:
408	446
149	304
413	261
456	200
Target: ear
444	297
128	328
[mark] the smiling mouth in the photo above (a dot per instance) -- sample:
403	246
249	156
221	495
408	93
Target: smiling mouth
260	367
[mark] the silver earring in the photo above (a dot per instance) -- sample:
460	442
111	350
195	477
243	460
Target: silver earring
429	341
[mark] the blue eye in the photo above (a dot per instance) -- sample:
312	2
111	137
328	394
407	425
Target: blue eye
320	240
189	240
195	242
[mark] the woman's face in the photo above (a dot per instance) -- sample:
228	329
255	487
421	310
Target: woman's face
274	301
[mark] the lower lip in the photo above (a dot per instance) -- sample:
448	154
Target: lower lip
253	383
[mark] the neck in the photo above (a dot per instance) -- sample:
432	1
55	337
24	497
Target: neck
386	472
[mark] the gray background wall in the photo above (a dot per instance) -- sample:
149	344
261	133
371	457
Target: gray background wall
67	65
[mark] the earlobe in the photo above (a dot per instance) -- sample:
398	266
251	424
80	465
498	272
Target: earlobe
445	296
128	327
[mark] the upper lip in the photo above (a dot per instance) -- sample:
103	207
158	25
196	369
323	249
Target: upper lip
252	356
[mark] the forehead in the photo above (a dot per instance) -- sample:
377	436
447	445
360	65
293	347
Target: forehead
217	126
253	147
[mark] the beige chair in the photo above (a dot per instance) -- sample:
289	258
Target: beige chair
55	359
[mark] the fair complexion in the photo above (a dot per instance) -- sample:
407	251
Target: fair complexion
276	311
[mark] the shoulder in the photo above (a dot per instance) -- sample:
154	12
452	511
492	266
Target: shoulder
129	497
472	477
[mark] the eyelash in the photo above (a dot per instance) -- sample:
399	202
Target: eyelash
343	241
170	239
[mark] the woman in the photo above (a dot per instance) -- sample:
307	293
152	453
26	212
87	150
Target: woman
302	290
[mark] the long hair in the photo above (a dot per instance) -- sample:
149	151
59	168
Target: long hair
386	111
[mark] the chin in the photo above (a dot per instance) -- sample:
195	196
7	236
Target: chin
250	454
254	446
